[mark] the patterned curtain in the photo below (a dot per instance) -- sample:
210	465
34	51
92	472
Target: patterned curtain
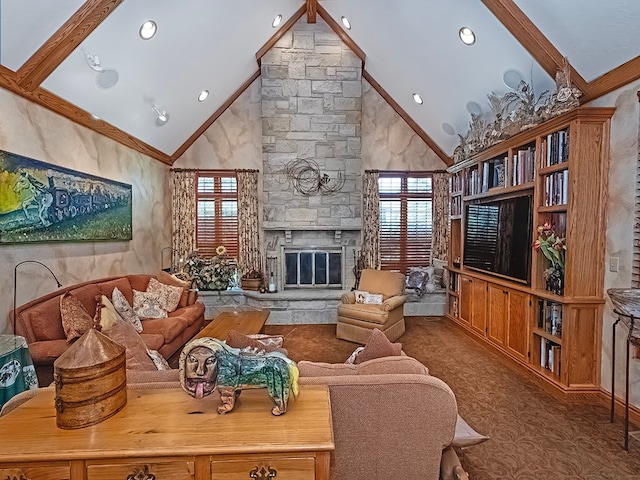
439	243
183	215
249	257
370	251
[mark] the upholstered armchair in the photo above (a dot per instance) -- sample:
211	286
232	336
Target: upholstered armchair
357	320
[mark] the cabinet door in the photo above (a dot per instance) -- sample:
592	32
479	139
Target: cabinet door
264	468
498	312
466	297
479	314
36	472
518	324
165	469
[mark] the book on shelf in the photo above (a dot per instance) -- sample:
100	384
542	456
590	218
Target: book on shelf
556	148
556	319
543	353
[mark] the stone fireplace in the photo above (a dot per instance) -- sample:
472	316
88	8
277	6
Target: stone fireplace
311	116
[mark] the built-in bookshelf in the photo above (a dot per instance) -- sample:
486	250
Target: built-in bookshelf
563	166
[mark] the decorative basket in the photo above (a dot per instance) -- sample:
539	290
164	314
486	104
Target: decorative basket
91	381
251	283
627	302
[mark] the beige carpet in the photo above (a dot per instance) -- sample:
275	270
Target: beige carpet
533	435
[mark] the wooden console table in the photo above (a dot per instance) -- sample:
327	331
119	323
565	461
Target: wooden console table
166	434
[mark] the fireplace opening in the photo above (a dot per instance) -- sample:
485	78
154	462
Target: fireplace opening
313	268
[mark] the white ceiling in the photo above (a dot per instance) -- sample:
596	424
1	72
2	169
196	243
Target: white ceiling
410	46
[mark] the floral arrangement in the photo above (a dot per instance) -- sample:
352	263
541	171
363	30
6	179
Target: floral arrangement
215	273
551	245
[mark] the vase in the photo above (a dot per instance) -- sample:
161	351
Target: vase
554	279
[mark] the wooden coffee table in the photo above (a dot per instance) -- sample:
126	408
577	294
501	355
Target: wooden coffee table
245	322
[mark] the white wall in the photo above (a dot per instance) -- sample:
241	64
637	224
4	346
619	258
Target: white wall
32	131
620	213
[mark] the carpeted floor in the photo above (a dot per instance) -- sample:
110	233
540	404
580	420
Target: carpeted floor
534	436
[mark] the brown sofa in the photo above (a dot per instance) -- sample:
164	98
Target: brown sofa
39	321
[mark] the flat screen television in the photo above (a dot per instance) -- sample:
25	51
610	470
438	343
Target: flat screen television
497	237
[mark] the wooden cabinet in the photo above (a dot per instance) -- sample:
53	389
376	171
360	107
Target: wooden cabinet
562	166
168	435
473	303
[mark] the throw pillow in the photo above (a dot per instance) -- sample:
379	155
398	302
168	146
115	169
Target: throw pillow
352	358
465	436
361	295
148	305
378	345
169	279
125	334
239	340
75	319
169	295
158	360
373	299
441	264
125	310
108	313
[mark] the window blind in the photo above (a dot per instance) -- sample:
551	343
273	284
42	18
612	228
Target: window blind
406	214
217	212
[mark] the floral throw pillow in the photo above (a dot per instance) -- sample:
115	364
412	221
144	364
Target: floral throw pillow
169	295
148	305
158	360
361	296
75	319
373	299
125	310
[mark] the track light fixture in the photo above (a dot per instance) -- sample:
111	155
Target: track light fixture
107	77
163	116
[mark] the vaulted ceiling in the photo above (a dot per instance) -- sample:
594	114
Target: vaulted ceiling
408	46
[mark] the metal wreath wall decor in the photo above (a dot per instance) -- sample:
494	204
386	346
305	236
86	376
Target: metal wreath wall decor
41	202
306	178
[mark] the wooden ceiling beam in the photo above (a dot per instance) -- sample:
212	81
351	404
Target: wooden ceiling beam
46	99
407	118
203	128
312	8
618	77
280	33
532	39
53	52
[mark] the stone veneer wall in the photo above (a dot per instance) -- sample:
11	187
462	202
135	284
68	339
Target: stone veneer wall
311	110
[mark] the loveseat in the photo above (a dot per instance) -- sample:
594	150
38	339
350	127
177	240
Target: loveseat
40	321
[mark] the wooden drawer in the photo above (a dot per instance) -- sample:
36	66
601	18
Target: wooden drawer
264	468
37	472
144	469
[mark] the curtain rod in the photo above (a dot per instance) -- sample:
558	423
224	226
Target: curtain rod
204	170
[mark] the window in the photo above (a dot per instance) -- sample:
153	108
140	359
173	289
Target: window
406	206
216	212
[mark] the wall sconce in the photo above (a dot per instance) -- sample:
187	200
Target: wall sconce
107	77
15	289
163	116
170	269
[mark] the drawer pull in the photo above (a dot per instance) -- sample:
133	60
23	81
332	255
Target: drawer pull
141	474
263	474
15	475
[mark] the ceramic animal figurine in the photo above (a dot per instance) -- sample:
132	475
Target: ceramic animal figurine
207	363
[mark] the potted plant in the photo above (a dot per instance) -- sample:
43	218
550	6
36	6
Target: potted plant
252	280
214	273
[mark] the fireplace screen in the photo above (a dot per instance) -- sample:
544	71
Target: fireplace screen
313	268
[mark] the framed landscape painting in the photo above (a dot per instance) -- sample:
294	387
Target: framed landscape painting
41	202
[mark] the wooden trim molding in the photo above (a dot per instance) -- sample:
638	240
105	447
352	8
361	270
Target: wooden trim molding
57	105
532	39
183	148
618	77
342	34
279	33
407	118
53	52
312	9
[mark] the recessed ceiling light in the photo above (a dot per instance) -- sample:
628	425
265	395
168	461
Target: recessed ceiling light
95	117
448	129
276	21
203	95
417	98
346	23
467	36
148	29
